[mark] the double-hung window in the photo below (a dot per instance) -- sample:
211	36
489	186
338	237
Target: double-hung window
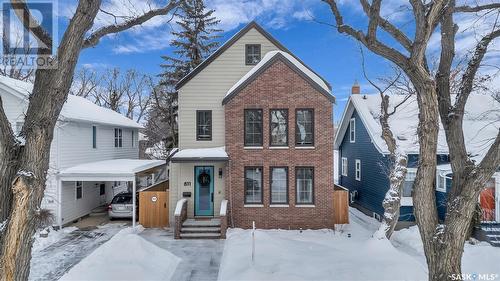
358	169
253	127
406	196
252	54
78	189
441	181
118	138
279	185
278	126
203	125
352	130
304	129
304	177
94	137
253	185
344	166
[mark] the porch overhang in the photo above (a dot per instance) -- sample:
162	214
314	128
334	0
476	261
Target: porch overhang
215	154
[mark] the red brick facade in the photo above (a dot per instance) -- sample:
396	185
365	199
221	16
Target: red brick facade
280	87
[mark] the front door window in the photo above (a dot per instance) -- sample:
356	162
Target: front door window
204	185
487	200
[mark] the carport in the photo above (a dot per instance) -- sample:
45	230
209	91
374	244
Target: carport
141	173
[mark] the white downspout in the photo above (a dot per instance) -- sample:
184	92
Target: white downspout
59	202
133	202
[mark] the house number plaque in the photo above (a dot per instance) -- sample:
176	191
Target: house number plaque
154	199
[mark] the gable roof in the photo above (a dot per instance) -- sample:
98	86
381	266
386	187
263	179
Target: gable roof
229	43
480	126
75	108
269	59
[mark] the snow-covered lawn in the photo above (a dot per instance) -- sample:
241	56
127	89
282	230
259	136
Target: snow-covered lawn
333	255
126	256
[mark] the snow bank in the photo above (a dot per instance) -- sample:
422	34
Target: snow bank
315	255
41	243
126	256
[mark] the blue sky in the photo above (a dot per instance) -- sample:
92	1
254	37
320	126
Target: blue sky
293	22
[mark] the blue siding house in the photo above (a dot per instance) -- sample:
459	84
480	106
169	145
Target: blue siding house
363	155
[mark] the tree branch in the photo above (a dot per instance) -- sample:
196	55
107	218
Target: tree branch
30	23
491	160
93	39
473	9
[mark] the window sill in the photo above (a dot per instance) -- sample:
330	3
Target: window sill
253	147
253	205
279	147
279	205
305	147
406	201
305	206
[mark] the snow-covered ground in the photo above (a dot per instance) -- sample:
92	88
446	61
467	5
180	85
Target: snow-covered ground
126	256
333	255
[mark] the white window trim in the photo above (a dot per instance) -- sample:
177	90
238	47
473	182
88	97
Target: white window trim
76	188
344	171
357	169
352	129
438	175
115	137
408	200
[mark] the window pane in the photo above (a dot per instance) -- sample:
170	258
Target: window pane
408	184
279	185
304	185
204	125
252	54
253	185
305	127
279	127
253	127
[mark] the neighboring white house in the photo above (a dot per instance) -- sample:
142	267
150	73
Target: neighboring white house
93	154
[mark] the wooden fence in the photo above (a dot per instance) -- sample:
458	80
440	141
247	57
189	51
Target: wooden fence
153	206
340	205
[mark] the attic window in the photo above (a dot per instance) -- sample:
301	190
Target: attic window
352	130
252	54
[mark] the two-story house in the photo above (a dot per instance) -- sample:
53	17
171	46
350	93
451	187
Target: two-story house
256	129
93	156
364	165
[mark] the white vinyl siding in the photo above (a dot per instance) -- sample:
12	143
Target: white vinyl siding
207	89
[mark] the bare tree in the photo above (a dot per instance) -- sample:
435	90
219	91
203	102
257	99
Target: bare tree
86	83
18	69
443	242
23	171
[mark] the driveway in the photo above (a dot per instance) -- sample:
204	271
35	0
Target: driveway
56	259
200	258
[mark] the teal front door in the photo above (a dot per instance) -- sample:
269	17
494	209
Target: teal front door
204	191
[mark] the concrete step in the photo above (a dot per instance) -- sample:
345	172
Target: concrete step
493	236
200	229
201	235
201	223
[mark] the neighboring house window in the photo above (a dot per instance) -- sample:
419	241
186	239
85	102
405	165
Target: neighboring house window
344	166
358	169
118	138
203	125
252	54
352	130
253	127
408	184
132	135
441	182
304	131
79	191
279	185
102	189
253	185
94	137
305	185
279	127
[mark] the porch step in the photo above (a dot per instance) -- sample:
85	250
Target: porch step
201	235
491	233
200	229
201	223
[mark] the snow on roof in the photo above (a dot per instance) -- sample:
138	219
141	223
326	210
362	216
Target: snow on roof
290	58
481	123
75	108
214	153
115	167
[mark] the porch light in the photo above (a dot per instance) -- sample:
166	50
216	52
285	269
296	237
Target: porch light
220	173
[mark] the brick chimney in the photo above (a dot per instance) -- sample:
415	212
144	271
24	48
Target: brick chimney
356	89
